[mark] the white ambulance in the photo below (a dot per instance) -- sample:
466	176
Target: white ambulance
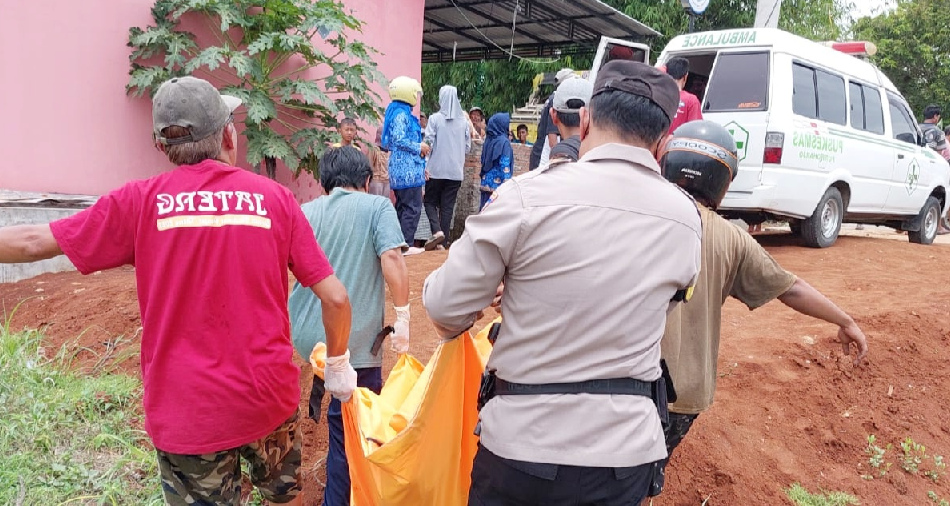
823	136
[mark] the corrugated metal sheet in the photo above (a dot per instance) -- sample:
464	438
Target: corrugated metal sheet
485	29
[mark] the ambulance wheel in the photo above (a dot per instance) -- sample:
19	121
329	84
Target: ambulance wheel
820	230
929	222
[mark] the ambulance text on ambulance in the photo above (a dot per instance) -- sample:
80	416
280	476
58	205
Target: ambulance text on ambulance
821	148
720	38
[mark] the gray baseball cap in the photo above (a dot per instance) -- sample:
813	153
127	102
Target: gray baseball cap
563	74
572	89
190	103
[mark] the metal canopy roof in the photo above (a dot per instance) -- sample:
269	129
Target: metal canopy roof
459	30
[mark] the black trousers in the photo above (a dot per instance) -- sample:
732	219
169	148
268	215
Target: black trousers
439	202
674	433
408	210
502	482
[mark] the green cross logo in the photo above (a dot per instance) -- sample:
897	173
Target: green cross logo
913	176
741	136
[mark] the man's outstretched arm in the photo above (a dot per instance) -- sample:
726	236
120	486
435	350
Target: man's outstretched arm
805	299
337	316
27	243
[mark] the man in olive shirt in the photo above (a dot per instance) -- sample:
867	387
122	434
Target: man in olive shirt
700	157
591	253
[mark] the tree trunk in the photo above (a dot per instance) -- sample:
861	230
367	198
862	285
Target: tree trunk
268	166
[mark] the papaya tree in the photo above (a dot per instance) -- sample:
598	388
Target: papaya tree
298	65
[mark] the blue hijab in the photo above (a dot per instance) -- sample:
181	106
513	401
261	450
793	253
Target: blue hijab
496	144
394	109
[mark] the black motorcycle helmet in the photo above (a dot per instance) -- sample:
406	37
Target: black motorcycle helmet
700	157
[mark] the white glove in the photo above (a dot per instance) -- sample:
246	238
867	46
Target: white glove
400	337
339	377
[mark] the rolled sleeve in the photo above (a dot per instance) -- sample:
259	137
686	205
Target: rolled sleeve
387	234
477	263
759	278
102	236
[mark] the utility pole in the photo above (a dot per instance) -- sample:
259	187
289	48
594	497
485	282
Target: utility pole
767	13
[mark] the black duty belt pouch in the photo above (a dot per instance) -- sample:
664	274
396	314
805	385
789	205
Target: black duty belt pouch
487	388
670	388
662	404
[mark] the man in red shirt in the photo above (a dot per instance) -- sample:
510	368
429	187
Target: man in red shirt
689	108
211	244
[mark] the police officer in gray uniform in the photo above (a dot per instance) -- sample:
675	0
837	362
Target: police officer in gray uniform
593	254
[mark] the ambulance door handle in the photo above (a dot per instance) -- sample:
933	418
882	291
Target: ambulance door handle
900	157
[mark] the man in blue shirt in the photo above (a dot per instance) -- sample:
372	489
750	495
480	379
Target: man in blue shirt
362	239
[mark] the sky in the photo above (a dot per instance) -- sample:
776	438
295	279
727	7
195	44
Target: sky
868	7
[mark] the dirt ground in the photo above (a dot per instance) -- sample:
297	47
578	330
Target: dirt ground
788	409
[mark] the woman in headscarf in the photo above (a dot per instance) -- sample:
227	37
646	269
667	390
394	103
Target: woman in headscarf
497	156
402	136
450	137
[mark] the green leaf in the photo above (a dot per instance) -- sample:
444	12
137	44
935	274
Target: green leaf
179	46
146	79
306	91
312	141
267	143
260	107
229	14
211	58
299	108
237	91
150	36
263	43
244	65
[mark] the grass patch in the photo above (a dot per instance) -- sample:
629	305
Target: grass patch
802	497
66	438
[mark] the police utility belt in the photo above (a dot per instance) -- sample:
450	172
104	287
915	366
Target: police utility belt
660	391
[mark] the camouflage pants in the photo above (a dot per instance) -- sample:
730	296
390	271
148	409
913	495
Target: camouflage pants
215	478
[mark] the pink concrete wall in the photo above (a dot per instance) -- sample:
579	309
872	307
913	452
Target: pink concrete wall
68	126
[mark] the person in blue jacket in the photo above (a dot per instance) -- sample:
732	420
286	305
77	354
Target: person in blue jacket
402	136
497	156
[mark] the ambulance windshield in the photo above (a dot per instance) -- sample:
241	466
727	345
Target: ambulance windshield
740	82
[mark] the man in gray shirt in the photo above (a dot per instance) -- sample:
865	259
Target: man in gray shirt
593	255
450	137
